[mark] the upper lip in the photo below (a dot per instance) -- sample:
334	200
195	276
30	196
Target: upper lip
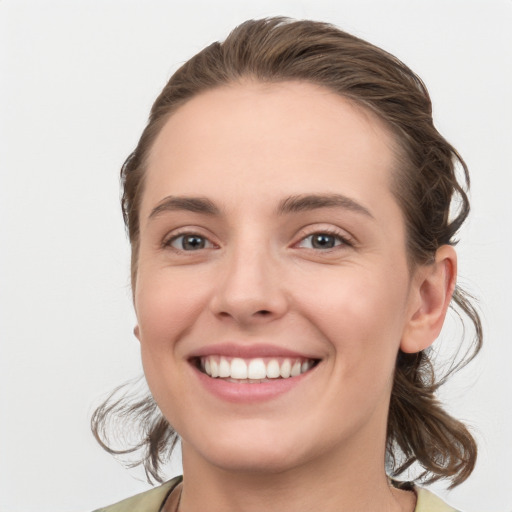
248	351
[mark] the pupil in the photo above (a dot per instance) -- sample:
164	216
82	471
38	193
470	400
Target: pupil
323	241
193	242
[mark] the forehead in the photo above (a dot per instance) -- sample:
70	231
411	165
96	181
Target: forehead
289	136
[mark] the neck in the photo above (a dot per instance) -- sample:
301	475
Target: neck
358	485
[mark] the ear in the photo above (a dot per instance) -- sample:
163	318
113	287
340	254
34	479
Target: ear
136	331
431	293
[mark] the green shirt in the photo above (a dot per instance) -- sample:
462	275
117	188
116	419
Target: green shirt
153	500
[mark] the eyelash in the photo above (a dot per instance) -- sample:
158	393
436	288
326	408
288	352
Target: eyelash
343	240
169	242
340	241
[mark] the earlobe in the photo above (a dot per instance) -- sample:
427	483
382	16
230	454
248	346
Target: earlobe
430	299
136	331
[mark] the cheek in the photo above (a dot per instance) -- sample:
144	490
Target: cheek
166	304
361	316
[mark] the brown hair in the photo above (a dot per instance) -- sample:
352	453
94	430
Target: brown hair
426	186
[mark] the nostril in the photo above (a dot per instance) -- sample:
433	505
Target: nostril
263	312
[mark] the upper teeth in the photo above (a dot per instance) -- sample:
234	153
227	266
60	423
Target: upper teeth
254	369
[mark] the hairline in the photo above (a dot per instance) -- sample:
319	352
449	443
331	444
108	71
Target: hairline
397	148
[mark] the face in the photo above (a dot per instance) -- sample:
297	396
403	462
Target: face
273	290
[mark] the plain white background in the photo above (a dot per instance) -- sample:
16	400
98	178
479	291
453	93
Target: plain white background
77	79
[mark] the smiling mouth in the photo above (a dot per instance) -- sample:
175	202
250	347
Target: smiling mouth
255	370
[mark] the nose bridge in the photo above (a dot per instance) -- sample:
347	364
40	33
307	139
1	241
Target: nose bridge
249	286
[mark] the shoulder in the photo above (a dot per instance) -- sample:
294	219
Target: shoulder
149	501
429	502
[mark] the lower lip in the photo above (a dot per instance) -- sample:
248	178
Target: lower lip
249	393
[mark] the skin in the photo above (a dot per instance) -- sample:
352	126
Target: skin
258	279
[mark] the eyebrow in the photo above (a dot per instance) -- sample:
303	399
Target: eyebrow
292	204
307	202
191	204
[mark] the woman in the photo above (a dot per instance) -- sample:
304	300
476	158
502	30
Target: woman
292	262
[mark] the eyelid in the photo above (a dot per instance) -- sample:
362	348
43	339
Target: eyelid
184	231
345	238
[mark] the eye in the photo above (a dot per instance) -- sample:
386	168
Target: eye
322	241
189	242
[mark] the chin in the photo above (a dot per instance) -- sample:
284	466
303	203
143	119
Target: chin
256	451
253	461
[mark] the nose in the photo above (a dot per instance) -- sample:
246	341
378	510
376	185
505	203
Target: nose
250	288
